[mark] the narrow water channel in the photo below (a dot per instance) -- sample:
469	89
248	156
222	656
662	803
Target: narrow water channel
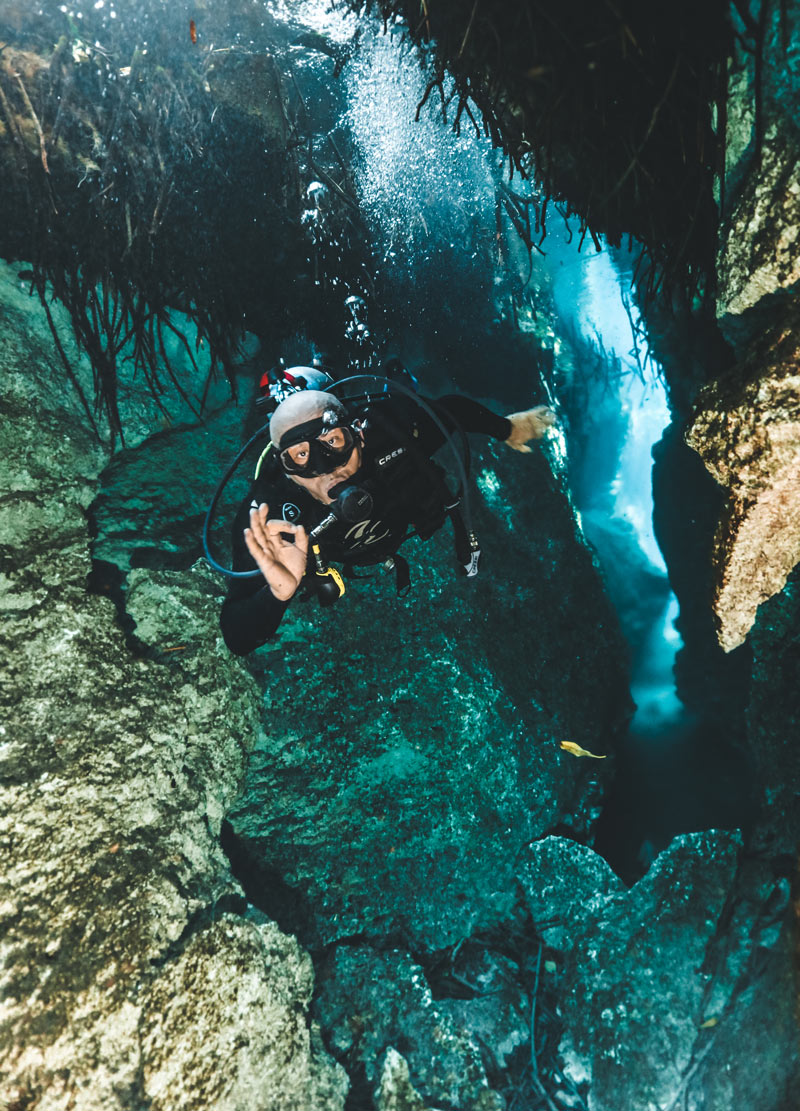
678	770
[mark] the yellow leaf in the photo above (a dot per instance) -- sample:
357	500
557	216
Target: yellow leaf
576	750
709	1022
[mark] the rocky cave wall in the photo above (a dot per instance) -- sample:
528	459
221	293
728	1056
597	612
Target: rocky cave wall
745	426
420	837
133	971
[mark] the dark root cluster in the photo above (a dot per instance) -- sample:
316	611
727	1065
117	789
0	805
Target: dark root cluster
608	104
148	202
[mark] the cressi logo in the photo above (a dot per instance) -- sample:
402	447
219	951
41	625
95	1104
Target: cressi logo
365	532
392	455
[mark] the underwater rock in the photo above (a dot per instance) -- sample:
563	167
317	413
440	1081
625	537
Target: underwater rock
773	720
759	260
150	508
567	886
747	431
211	1038
396	1092
745	425
760	255
411	746
116	774
495	1010
657	980
369	1002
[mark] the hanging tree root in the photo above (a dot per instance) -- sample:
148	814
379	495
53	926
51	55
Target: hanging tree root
607	106
121	187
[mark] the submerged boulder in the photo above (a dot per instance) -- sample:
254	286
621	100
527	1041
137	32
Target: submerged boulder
370	1001
396	1092
411	746
131	974
747	431
659	980
773	723
195	1056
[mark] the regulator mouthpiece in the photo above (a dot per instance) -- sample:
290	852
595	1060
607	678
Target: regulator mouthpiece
353	503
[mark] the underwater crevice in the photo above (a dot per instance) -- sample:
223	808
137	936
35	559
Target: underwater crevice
506	977
107	580
266	889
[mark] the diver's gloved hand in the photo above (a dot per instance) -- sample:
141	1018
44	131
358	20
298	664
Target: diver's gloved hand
531	424
280	549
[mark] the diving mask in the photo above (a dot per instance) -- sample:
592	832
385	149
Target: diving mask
315	448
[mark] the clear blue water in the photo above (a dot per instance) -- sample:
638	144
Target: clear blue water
593	298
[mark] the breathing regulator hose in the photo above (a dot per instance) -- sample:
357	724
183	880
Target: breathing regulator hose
210	514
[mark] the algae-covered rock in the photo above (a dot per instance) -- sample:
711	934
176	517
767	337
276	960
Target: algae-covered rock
412	748
396	1092
758	252
745	425
657	979
369	1002
225	1026
120	986
568	887
773	719
760	255
747	431
635	993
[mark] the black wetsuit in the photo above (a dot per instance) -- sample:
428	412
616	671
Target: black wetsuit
407	489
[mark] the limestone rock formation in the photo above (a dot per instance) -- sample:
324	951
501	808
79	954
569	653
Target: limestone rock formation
760	254
746	422
396	1092
747	431
131	972
773	721
370	1001
225	1026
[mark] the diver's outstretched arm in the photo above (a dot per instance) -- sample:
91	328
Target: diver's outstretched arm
515	430
459	411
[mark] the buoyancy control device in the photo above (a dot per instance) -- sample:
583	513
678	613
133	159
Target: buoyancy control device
278	384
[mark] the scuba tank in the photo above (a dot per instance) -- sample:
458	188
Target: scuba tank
280	381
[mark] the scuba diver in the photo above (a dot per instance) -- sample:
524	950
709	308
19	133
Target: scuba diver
349	484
